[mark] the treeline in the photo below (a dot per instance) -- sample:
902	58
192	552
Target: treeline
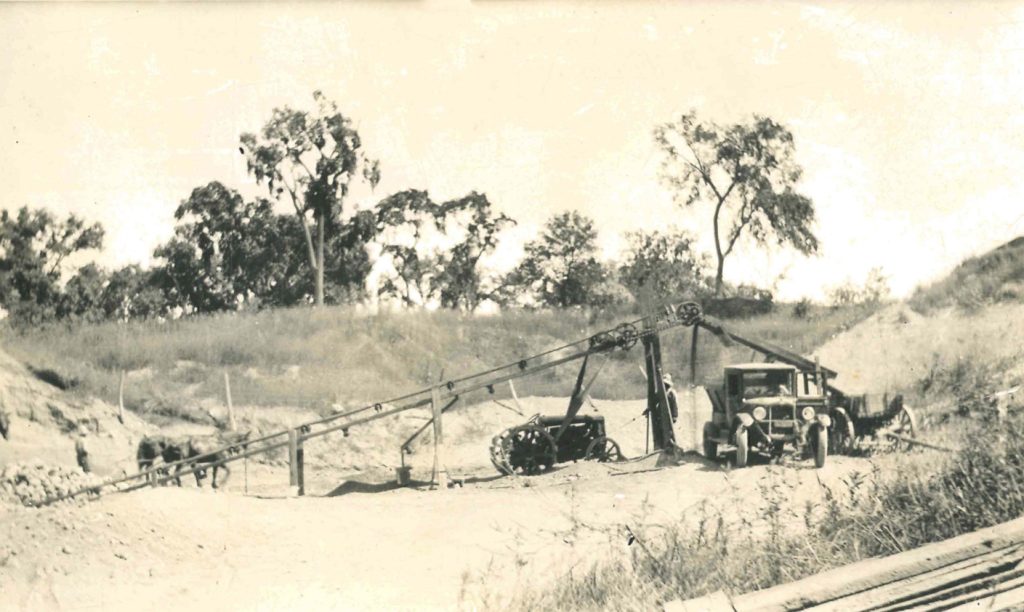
230	253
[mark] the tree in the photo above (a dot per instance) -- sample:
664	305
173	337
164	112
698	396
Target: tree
459	281
417	236
235	248
402	220
133	293
747	174
34	249
875	290
311	159
560	268
83	294
663	265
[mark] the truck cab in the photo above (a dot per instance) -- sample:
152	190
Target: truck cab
758	409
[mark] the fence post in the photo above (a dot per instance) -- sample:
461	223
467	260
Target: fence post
293	459
120	399
300	463
231	408
440	471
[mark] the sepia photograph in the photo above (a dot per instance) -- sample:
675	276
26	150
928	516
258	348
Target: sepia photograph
502	305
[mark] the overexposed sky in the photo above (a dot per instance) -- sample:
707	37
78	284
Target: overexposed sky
907	117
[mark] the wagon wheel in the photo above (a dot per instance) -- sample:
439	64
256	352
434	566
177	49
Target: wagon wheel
843	433
905	425
528	450
603	449
498	458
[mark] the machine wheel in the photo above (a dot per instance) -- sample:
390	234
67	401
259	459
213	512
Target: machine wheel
603	449
843	433
710	446
742	447
529	450
905	425
819	442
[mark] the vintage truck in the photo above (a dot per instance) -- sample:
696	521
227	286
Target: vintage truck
758	408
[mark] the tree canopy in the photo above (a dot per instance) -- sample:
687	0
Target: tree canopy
560	268
310	159
747	174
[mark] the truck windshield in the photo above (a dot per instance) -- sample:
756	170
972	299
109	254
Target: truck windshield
766	384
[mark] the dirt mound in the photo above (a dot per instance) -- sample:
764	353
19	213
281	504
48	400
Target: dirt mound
43	418
895	348
30	484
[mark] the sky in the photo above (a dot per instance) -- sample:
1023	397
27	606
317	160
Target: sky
906	117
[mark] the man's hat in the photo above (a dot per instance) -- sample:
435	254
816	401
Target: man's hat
667	379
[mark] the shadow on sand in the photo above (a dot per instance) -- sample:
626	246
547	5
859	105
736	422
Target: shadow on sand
356	486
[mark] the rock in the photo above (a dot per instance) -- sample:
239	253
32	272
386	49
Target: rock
67	550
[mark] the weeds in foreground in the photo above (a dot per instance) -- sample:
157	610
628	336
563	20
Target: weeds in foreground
870	515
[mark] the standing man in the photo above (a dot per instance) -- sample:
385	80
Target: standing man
673	404
5	424
82	451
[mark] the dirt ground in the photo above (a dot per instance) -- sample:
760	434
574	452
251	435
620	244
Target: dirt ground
355	541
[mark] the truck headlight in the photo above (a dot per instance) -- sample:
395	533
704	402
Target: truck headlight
807	413
759	413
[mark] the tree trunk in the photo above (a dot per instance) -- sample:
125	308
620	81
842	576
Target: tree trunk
320	261
718	276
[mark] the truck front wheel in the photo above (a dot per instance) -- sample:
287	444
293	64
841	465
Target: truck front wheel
742	446
819	442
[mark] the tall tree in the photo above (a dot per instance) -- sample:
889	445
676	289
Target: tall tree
34	251
662	265
560	268
311	159
747	174
133	293
435	249
460	279
235	246
403	221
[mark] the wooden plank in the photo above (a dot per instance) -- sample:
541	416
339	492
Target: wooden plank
944	579
843	581
439	466
293	458
971	586
1004	600
919	442
231	407
712	602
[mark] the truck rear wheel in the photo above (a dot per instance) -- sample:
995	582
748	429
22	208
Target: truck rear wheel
710	446
742	447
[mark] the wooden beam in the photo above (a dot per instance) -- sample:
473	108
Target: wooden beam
293	458
231	408
440	471
120	399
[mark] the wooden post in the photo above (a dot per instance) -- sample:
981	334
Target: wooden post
440	470
231	407
300	463
293	459
693	356
120	399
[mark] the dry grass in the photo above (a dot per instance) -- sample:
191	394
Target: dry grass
305	357
996	276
